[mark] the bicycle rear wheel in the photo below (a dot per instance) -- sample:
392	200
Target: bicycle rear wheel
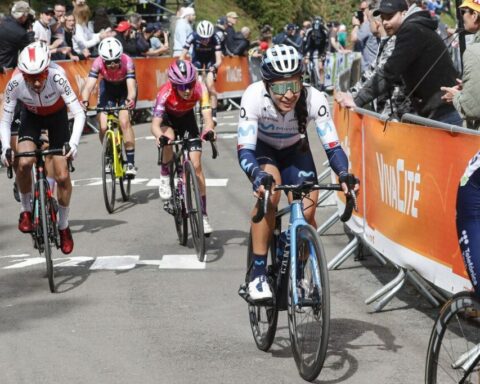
309	321
179	214
454	348
124	181
194	210
45	229
263	317
108	173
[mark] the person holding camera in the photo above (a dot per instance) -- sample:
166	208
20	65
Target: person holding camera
362	37
126	35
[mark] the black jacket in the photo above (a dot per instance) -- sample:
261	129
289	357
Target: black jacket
421	60
239	45
13	38
129	45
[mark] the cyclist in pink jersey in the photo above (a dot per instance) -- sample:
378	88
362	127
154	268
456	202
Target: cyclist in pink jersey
173	116
118	87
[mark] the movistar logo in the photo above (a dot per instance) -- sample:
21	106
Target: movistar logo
306	174
245	165
246	131
324	128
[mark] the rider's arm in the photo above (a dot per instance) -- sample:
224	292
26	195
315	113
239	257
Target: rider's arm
88	88
218	59
206	108
158	111
8	110
186	46
319	110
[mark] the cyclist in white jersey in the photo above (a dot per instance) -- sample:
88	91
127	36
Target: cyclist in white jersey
273	140
45	92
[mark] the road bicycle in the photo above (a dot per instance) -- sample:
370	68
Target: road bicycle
302	290
185	202
453	354
45	232
313	72
114	159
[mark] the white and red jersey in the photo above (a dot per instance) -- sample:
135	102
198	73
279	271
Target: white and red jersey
126	70
56	93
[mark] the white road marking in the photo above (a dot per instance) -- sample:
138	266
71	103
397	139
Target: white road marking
75	261
227	124
208	182
26	263
115	262
145	138
227	136
181	262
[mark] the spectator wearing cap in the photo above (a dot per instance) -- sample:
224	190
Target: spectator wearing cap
183	28
15	34
126	37
86	40
289	36
232	19
418	59
221	33
466	94
43	32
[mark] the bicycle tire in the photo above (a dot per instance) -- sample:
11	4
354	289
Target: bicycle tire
45	228
180	216
314	297
455	333
263	331
108	178
194	210
124	189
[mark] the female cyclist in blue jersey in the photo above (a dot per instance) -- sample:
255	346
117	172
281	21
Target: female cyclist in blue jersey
272	140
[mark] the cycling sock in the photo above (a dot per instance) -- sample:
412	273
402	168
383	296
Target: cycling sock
259	266
51	183
164	170
26	200
63	217
204	205
130	156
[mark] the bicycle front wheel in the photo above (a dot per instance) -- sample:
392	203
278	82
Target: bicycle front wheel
45	228
263	317
454	348
179	214
124	182
309	319
194	210
108	173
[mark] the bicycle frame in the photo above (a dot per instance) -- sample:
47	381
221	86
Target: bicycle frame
114	134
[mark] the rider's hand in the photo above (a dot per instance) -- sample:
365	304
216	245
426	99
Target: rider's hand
212	69
206	132
258	188
347	181
84	104
130	104
158	139
7	160
72	151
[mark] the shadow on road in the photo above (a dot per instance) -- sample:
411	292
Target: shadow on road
93	225
219	239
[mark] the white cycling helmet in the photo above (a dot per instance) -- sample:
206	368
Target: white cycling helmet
34	58
205	29
110	49
281	61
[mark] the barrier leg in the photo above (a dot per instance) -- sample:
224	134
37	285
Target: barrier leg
92	126
378	256
327	224
324	174
324	196
389	296
344	254
399	279
234	103
421	286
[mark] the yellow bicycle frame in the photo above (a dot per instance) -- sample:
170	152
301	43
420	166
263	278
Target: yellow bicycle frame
114	135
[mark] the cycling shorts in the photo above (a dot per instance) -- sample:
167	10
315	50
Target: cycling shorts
199	64
182	124
468	229
32	125
295	165
112	94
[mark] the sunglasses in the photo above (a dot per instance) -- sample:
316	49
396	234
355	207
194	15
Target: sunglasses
283	88
185	87
112	62
34	78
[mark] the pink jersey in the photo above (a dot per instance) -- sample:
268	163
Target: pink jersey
126	70
169	101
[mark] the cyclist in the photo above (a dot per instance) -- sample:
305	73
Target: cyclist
272	140
173	115
117	87
206	54
45	92
315	47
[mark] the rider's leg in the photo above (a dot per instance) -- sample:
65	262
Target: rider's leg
128	135
102	121
167	155
213	94
24	175
64	189
196	159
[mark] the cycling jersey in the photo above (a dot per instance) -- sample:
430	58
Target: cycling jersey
56	93
470	171
203	53
126	70
169	101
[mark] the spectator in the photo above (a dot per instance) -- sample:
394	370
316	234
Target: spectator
136	23
241	42
342	36
126	37
57	25
69	33
306	25
158	48
14	34
289	36
101	21
258	51
58	20
86	41
466	94
173	23
362	37
183	28
232	19
220	31
42	30
419	62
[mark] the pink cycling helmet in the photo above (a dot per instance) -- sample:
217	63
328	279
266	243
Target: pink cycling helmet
181	72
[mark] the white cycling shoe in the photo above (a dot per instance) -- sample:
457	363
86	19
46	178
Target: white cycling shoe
207	228
164	188
258	289
131	171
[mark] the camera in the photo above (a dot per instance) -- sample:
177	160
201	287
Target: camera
359	15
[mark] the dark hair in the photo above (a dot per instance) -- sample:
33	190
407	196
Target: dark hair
301	112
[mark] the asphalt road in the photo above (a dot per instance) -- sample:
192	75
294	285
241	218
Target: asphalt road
135	307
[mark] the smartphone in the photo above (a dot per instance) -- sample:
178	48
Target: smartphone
359	15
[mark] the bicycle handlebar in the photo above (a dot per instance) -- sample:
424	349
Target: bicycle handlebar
262	204
108	109
210	136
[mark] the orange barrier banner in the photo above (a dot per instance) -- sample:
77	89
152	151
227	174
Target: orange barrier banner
409	186
232	79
